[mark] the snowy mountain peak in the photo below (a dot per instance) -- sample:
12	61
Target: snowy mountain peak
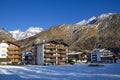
83	22
16	31
18	34
103	16
89	21
93	19
35	29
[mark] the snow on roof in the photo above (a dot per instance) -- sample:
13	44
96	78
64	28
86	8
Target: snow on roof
75	53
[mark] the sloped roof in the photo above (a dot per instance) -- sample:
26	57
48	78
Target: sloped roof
9	42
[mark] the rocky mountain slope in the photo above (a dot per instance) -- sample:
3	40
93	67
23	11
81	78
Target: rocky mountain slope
103	31
109	32
4	35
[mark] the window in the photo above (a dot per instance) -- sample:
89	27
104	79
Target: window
4	50
3	46
3	54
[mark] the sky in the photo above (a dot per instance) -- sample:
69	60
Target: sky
22	14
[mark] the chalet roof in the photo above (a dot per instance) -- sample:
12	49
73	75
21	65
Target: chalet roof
9	42
75	53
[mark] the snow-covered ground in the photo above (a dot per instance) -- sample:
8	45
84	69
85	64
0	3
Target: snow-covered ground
67	72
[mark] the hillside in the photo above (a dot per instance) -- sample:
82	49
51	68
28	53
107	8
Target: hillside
4	35
105	32
109	32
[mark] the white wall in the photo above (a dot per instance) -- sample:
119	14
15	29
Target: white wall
97	53
3	50
40	54
98	56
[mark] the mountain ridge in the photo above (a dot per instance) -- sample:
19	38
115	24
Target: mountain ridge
18	34
105	31
79	37
5	35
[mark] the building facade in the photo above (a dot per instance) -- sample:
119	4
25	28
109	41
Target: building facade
102	55
13	53
3	52
52	52
78	57
95	55
9	53
107	56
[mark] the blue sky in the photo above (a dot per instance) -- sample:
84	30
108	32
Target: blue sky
22	14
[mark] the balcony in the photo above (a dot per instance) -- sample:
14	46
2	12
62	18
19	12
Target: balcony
49	60
62	60
50	47
47	56
15	60
50	51
61	63
14	49
52	60
56	55
13	57
13	52
62	55
60	47
61	51
106	55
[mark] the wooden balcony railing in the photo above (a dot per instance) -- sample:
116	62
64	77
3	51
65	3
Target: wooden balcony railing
62	63
60	47
47	56
56	55
49	60
61	60
14	49
62	56
61	51
53	60
13	52
49	51
50	47
13	56
15	60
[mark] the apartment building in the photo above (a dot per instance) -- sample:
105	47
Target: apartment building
52	52
102	55
13	53
9	52
107	56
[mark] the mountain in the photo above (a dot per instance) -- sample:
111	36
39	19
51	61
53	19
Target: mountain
18	34
83	22
104	16
105	33
109	32
93	19
4	35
